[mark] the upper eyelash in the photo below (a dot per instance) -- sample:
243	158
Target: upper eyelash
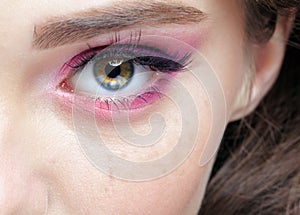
83	58
165	64
162	64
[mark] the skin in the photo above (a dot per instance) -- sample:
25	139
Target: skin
42	167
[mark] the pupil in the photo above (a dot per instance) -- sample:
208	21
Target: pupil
112	71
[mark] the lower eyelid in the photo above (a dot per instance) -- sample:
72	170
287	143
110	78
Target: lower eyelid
128	104
135	101
106	107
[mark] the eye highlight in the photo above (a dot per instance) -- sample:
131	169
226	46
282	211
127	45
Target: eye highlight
122	76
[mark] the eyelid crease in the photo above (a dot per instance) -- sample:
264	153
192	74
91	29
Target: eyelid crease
94	22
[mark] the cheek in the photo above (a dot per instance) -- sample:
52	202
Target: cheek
83	187
90	192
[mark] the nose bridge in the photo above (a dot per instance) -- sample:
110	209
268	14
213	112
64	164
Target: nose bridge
13	49
22	190
10	110
3	120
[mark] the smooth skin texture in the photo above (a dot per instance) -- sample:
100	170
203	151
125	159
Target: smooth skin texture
42	167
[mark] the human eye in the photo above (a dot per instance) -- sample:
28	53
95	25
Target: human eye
125	75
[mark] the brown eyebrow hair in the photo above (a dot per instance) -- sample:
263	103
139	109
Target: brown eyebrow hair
58	31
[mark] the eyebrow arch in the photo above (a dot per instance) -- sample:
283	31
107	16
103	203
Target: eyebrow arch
85	25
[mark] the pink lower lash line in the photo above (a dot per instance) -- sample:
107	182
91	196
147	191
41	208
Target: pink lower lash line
99	104
137	101
69	99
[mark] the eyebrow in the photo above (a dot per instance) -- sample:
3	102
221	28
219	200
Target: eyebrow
85	25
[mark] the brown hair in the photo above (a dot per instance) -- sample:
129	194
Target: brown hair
257	169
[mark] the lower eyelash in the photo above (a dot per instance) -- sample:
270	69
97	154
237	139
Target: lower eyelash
129	103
